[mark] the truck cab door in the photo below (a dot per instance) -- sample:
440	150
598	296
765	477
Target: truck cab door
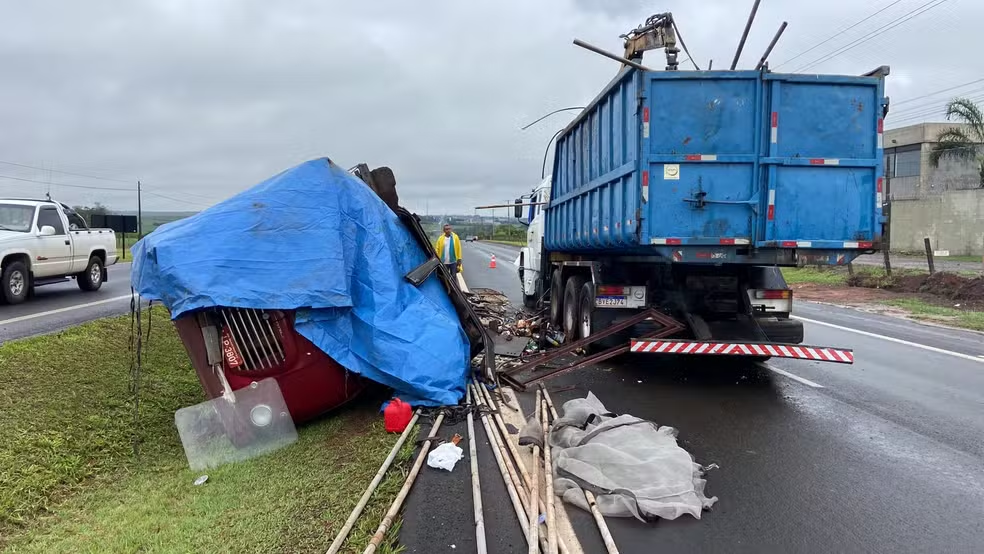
53	255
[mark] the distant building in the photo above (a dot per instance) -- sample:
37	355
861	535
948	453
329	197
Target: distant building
945	203
907	151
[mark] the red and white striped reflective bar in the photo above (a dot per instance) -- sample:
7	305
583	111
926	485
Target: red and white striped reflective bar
878	191
775	127
881	132
645	186
824	161
701	157
815	353
677	241
772	204
809	244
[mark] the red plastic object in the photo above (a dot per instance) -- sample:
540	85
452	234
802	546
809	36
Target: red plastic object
312	383
396	416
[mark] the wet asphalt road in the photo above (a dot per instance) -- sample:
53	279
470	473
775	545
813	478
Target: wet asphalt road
63	305
883	456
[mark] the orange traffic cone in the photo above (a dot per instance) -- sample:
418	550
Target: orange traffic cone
492	262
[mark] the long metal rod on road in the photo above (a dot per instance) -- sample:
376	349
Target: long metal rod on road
394	509
606	534
350	522
501	436
535	490
548	479
476	484
505	469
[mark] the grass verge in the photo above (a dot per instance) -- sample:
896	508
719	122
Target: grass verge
939	314
69	481
814	275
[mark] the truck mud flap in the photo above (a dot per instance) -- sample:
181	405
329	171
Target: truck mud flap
762	349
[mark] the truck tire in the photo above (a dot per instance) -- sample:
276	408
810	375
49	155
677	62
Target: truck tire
16	282
91	279
592	320
572	308
556	299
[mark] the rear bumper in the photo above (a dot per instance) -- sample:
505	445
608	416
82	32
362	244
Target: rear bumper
720	348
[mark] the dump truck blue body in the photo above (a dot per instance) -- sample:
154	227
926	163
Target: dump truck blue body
719	167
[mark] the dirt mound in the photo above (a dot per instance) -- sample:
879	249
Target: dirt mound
949	286
956	287
911	283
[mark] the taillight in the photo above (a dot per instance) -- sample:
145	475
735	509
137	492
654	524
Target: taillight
773	294
609	290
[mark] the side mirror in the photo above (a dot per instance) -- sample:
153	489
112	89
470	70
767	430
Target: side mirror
518	209
47	230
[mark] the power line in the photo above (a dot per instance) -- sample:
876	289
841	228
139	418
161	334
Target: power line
66	172
97	177
881	30
837	34
938	92
928	112
64	184
159	195
939	103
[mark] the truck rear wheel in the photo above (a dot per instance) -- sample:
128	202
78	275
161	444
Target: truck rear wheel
593	320
572	307
556	299
91	279
16	282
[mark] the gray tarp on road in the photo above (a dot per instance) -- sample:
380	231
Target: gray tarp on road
633	466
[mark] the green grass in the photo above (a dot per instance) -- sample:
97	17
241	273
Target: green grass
940	314
69	481
922	256
814	275
866	276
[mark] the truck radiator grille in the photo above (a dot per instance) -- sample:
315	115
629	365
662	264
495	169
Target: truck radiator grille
250	339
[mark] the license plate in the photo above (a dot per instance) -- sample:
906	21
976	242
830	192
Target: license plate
611	301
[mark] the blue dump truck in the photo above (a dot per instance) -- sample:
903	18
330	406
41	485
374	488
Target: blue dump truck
676	196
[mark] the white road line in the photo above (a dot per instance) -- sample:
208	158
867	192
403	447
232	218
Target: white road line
63	310
796	378
979	359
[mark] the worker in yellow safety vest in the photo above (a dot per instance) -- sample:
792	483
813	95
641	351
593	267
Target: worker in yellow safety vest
448	247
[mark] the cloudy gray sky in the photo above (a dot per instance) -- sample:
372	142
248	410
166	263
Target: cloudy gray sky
202	98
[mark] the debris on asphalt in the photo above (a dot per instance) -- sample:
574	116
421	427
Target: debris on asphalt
445	456
532	433
396	416
649	474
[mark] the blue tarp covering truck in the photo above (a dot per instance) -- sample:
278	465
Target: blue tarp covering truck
686	191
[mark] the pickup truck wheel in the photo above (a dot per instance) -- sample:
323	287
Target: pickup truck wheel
572	308
16	283
91	279
556	299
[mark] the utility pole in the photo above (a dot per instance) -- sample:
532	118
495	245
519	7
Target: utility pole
139	214
887	214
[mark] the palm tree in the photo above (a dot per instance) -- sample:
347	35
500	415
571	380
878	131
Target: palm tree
961	143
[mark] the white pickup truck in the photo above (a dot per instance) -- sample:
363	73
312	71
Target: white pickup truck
44	242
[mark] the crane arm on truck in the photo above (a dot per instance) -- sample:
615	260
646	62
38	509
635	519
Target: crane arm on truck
657	32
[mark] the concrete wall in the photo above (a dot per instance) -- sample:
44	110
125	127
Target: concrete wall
953	220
